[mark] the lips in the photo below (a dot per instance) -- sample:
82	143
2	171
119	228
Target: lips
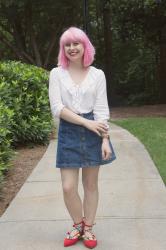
73	53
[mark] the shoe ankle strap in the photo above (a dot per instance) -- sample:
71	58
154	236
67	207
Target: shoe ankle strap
78	223
89	225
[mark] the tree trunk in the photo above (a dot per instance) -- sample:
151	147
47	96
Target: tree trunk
34	44
162	66
107	45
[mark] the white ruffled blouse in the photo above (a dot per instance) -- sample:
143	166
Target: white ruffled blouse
80	98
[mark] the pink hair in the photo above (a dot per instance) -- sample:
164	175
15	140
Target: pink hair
74	34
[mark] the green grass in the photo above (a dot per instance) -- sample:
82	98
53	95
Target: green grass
152	133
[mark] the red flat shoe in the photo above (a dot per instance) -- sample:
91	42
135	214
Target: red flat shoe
91	241
71	240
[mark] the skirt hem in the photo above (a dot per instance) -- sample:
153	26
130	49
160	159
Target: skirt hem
83	165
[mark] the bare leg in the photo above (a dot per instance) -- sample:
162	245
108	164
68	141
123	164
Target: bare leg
90	185
70	177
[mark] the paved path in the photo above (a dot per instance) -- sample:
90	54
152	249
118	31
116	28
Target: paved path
132	207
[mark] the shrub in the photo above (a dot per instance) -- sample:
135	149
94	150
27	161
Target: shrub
6	152
23	90
25	116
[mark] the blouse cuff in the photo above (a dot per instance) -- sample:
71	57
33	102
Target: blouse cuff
57	110
105	122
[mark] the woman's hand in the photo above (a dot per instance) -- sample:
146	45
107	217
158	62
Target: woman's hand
106	150
96	126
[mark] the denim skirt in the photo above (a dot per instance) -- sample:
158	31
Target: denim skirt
79	147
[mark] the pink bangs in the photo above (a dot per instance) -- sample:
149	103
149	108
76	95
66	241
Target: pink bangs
74	34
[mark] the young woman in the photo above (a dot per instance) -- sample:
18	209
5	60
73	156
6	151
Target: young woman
77	93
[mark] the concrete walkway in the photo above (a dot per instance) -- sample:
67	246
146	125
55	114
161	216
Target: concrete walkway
131	213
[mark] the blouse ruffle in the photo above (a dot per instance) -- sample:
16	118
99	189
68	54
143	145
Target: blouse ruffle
77	91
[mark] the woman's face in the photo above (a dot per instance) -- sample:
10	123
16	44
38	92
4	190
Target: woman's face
74	51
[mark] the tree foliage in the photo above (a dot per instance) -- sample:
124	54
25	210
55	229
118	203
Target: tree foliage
31	29
129	37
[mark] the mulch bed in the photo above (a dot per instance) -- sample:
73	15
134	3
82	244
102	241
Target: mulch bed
143	111
23	164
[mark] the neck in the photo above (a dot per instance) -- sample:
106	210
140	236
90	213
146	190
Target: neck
76	65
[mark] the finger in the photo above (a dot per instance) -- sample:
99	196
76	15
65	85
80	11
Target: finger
108	155
110	152
97	132
102	130
103	154
103	126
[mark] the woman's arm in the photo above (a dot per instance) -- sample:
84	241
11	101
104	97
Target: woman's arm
101	109
95	126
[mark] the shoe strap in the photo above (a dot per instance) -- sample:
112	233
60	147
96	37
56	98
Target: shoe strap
76	228
78	223
89	225
89	231
72	237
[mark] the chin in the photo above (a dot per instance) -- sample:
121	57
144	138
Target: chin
75	59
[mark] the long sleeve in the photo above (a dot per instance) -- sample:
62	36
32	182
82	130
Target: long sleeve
54	94
101	109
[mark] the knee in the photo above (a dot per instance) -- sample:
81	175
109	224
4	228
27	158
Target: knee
90	186
68	188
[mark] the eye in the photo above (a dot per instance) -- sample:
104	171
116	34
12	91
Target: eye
67	45
76	43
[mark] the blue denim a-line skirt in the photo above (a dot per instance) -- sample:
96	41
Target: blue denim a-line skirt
79	147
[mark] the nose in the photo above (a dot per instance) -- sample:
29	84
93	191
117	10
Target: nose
71	46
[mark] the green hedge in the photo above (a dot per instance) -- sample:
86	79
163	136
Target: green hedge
25	115
23	89
6	153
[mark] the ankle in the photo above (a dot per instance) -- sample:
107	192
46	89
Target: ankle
88	224
79	225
